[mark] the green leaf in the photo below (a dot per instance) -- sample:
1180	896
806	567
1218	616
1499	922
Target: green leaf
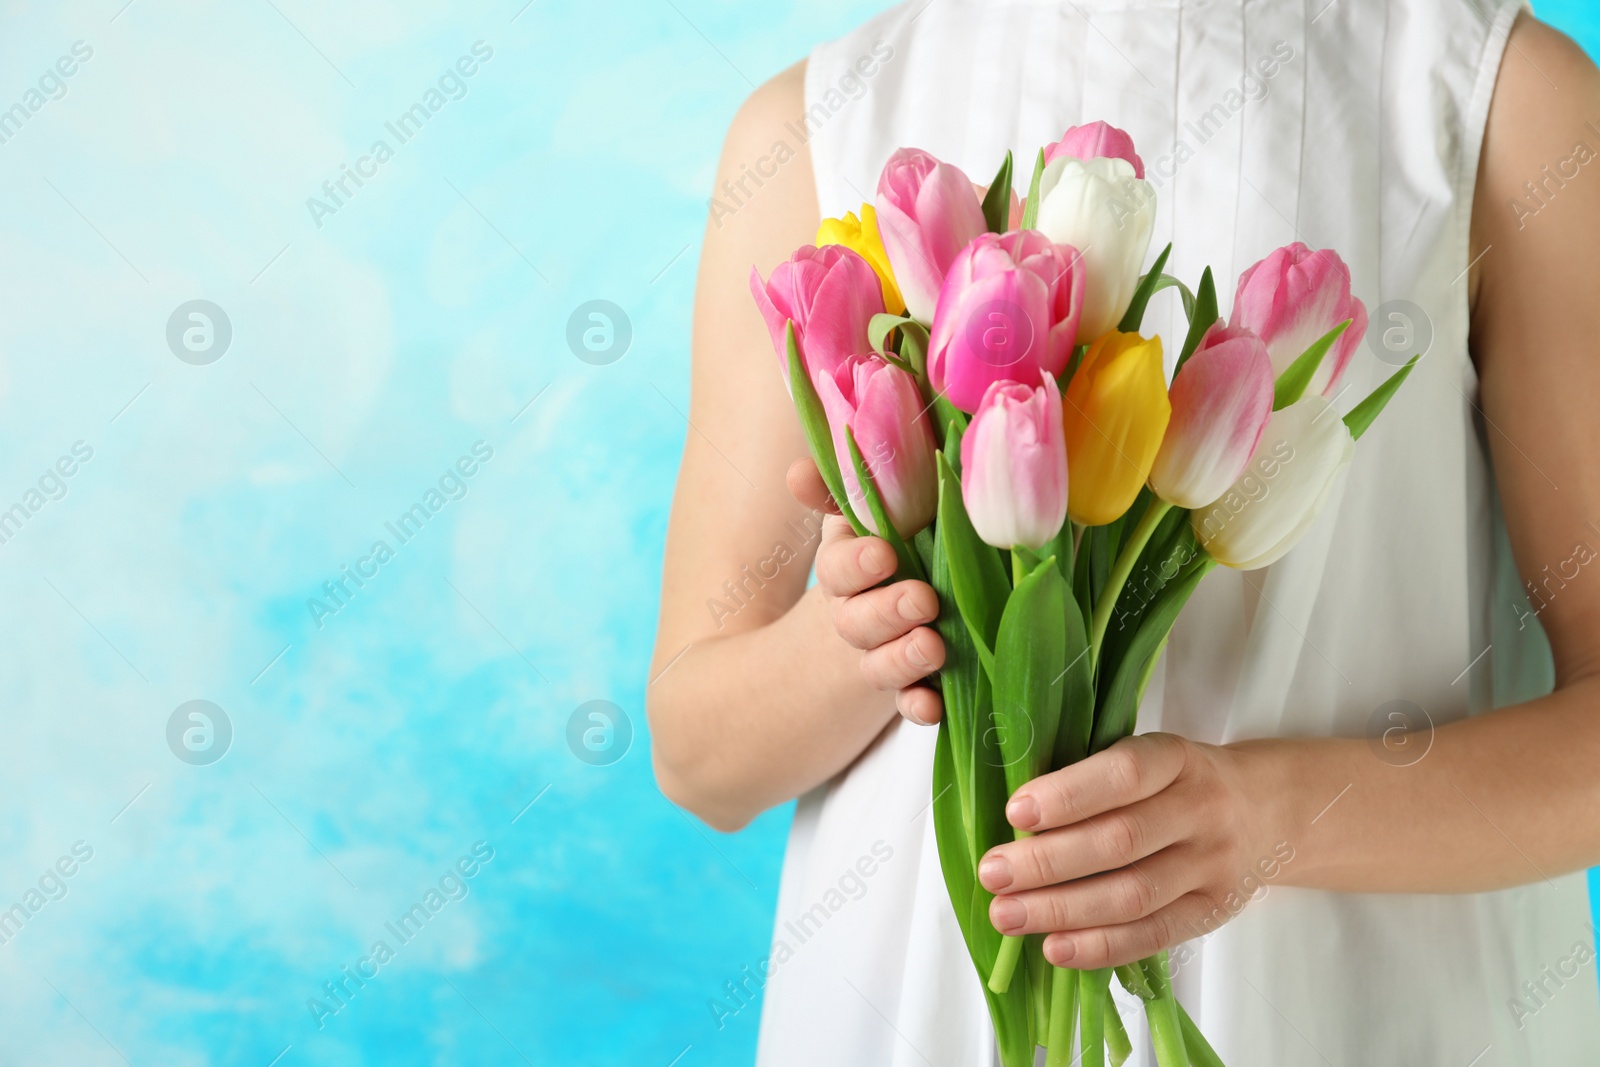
1171	548
1365	413
1028	655
1009	1010
977	575
1082	576
909	565
950	829
948	415
1060	546
1077	691
954	428
914	353
1141	296
1073	362
1030	210
960	680
1119	691
880	326
997	202
951	834
1105	550
1201	318
814	421
1167	281
1292	383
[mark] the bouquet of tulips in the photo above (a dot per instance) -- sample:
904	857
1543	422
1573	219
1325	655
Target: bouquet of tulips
975	389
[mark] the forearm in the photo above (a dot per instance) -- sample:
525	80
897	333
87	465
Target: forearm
1500	799
743	722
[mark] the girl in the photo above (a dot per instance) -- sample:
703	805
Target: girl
1415	904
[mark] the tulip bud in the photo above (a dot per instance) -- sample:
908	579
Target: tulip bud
1009	309
1093	140
1221	401
861	237
1102	208
1115	414
927	212
882	406
1272	505
1292	299
1014	465
830	294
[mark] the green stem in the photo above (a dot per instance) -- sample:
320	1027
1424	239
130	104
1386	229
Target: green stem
1005	963
1121	570
1201	1054
1118	1047
1063	1014
1166	1029
1094	987
1134	982
1039	978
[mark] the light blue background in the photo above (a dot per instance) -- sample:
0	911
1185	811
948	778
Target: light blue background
430	713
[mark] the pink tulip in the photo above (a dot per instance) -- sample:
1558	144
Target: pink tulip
1093	140
1014	465
1221	401
884	409
830	294
1291	299
1009	309
927	212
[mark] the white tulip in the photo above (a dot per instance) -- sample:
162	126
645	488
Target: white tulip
1271	506
1099	208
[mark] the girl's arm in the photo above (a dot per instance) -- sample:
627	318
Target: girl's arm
754	697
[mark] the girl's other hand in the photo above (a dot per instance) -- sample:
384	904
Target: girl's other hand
888	623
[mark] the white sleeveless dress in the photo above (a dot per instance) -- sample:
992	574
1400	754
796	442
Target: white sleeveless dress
1351	124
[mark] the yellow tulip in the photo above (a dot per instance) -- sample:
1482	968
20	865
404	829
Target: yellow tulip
1115	413
861	237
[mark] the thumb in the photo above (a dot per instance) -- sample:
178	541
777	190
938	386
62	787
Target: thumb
806	485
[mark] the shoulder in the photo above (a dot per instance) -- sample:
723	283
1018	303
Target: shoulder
1545	53
1543	131
780	99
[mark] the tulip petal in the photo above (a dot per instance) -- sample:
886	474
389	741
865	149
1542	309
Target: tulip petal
1221	401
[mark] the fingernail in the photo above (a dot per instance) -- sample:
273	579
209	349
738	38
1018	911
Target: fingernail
1023	812
910	610
876	558
915	657
1007	913
1061	951
994	872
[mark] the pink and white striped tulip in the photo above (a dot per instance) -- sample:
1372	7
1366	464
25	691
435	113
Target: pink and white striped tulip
1272	505
1009	309
1294	297
1221	401
1014	465
883	407
1093	140
830	294
927	212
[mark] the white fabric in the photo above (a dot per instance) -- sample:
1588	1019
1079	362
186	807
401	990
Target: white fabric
1366	140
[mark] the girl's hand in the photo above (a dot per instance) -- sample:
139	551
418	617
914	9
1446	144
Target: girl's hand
889	624
1152	842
